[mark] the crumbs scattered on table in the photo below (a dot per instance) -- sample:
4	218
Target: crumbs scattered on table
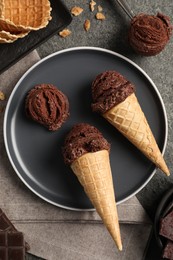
76	10
92	5
100	16
87	25
2	95
64	33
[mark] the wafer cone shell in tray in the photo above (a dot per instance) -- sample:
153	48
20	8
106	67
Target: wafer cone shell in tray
129	119
1	7
24	15
94	173
7	37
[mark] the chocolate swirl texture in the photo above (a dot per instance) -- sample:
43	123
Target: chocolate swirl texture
109	89
83	138
149	34
47	105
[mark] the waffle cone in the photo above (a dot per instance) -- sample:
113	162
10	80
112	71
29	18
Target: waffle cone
129	119
30	15
8	26
1	7
94	173
7	37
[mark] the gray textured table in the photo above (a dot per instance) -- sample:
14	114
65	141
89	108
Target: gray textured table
112	34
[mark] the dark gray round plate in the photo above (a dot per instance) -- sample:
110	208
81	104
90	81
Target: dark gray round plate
35	153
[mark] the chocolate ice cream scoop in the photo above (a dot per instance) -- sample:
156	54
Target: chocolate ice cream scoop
149	34
83	138
109	89
47	105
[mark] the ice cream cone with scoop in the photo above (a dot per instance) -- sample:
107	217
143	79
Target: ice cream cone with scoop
87	152
114	98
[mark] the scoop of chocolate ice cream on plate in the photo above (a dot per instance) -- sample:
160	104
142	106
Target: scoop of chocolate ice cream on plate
47	105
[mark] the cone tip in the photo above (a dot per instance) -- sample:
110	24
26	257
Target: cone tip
165	170
118	242
167	173
120	247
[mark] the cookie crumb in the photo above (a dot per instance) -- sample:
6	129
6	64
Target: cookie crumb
76	10
2	95
100	9
100	16
87	25
92	5
64	33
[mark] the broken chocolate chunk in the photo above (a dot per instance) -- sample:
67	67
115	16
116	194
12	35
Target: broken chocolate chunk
166	226
168	250
12	245
6	225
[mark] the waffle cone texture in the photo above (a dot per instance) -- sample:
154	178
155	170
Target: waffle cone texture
25	15
128	118
19	17
94	173
7	37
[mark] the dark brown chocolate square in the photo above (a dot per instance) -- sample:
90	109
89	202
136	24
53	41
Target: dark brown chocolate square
3	254
168	250
2	239
12	246
166	226
15	239
16	254
6	225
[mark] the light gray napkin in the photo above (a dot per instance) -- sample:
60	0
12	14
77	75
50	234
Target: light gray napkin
56	233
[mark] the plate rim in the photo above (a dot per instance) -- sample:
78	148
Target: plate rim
104	50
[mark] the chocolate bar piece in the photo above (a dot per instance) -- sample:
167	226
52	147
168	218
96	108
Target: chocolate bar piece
168	250
12	245
166	226
6	225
